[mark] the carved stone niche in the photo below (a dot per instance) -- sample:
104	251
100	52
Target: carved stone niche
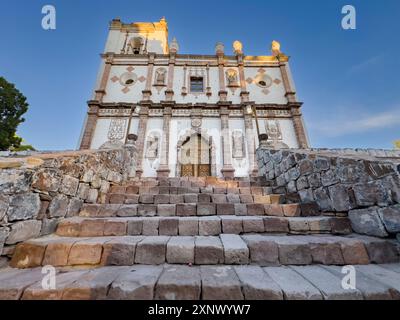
232	78
160	79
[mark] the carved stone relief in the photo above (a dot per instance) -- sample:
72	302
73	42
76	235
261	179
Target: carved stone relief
116	130
273	130
238	144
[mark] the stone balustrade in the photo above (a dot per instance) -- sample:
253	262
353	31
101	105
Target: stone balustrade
37	192
363	183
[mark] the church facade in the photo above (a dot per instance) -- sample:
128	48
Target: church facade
193	115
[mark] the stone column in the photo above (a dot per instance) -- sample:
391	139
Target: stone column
227	170
163	170
90	125
290	91
143	118
299	125
101	91
249	131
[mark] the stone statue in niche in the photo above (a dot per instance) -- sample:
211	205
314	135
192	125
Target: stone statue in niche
231	77
160	77
152	147
116	130
238	145
273	130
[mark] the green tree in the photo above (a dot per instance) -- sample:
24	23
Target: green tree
12	106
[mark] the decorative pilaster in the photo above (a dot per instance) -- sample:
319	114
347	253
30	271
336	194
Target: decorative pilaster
143	118
90	126
150	68
290	91
219	49
227	170
298	125
163	170
249	130
101	91
173	50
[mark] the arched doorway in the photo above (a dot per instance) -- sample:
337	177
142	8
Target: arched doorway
196	156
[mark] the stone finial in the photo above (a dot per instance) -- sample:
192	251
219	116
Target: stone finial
174	46
237	47
275	48
219	47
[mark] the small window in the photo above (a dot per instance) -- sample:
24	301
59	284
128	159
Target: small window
196	84
129	82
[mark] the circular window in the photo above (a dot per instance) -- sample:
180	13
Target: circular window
263	81
128	79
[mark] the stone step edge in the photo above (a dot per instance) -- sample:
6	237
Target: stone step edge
201	209
199	283
259	249
208	225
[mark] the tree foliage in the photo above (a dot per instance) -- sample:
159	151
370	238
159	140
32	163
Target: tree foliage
12	106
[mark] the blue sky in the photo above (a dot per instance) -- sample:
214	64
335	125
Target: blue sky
348	80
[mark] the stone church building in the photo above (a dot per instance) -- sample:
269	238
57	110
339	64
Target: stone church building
193	114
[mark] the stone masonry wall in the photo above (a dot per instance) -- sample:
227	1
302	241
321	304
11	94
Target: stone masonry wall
37	192
363	183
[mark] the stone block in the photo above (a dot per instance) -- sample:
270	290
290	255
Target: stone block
208	250
168	227
354	252
147	210
209	226
299	225
136	284
151	250
246	198
263	251
257	284
74	207
188	226
206	209
186	209
116	198
232	224
293	251
132	199
310	209
120	252
92	228
150	226
240	209
204	198
115	228
146	198
127	210
190	198
340	226
23	207
371	193
135	227
367	221
24	230
380	251
291	210
255	209
390	217
225	209
85	252
276	225
176	198
166	210
273	210
28	255
179	283
235	249
220	283
233	198
161	199
180	250
57	252
92	196
69	228
340	196
219	198
69	185
253	224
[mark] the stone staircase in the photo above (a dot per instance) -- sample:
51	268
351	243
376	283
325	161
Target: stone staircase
202	238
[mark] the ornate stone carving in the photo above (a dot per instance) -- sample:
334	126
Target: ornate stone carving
232	78
238	144
273	130
116	130
196	123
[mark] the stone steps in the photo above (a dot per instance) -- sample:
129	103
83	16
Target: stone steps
172	282
203	226
199	209
259	249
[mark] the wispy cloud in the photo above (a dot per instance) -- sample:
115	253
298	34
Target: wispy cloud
343	126
366	64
